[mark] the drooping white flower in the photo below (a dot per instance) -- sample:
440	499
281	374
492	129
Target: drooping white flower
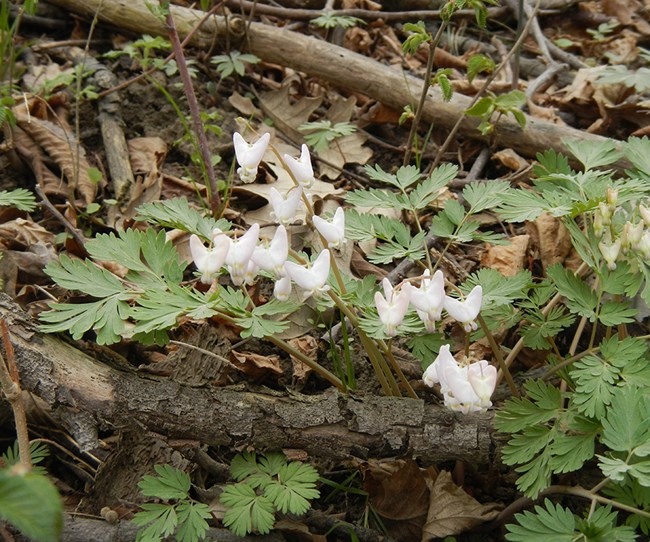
334	231
465	389
610	252
282	288
631	235
208	261
645	214
465	311
301	167
643	246
285	207
391	308
250	274
240	253
313	279
272	257
483	378
249	155
429	298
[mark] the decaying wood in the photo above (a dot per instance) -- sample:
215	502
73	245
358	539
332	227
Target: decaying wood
337	65
87	396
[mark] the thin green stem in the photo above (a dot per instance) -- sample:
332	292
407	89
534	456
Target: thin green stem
498	355
387	347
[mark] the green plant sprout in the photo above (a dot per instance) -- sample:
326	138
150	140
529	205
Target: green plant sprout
331	19
233	63
603	31
508	103
20	198
320	134
268	484
180	515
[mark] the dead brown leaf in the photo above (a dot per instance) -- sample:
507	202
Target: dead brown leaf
400	497
507	259
452	511
510	159
308	346
551	238
24	232
256	366
288	116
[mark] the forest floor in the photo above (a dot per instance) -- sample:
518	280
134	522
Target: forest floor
582	72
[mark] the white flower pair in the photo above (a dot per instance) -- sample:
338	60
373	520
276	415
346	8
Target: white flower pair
429	300
465	388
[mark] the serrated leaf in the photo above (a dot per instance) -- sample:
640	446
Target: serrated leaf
20	198
176	213
579	297
171	483
427	191
538	327
402	179
482	108
426	347
627	424
479	64
542	404
247	511
595	383
523	447
454	211
32	504
551	161
192	524
522	205
551	523
294	488
593	154
614	313
83	276
497	288
485	195
272	463
376	197
570	452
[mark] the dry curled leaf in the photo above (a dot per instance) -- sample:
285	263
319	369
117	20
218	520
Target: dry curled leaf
256	366
452	511
507	259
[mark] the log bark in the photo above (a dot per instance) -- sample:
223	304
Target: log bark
86	396
334	64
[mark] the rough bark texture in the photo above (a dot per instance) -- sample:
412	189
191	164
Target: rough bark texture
337	65
87	395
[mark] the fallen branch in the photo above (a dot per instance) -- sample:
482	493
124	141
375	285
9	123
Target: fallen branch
86	396
335	64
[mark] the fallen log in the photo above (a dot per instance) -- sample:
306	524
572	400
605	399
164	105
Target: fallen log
334	64
86	396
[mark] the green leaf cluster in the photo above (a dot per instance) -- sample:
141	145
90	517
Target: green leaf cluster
233	62
554	523
267	484
320	134
185	517
20	198
504	104
331	19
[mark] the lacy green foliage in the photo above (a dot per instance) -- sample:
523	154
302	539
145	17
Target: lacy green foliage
267	484
330	19
37	451
185	517
233	63
319	135
554	523
148	301
20	198
32	504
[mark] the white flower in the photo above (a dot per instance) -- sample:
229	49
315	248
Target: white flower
285	208
392	308
250	274
483	378
643	246
208	261
631	234
465	311
249	155
240	253
429	298
301	168
465	389
334	231
610	252
645	214
313	280
282	288
272	257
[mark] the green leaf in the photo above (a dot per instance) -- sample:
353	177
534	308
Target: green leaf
626	425
20	198
593	154
247	511
376	197
192	524
427	191
613	313
485	195
523	447
331	20
482	108
637	151
595	383
479	64
170	483
321	133
245	466
538	327
497	288
83	276
37	451
176	213
570	452
510	100
521	205
163	520
426	347
542	404
402	179
550	162
601	525
32	504
579	297
294	488
551	523
454	211
106	317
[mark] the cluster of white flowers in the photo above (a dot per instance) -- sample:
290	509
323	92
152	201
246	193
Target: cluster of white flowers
246	256
465	388
428	300
614	243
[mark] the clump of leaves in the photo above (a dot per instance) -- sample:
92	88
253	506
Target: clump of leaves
330	19
320	134
233	62
504	104
267	484
180	514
